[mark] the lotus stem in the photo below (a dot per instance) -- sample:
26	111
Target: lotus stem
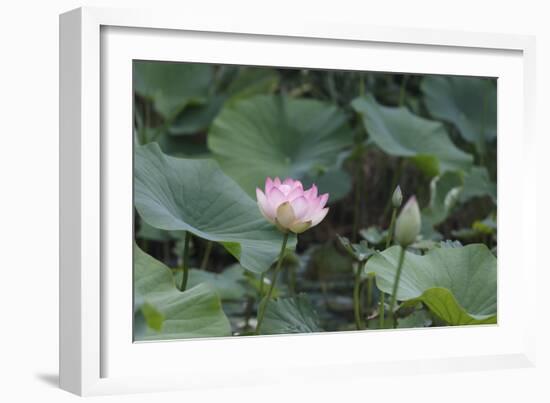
388	243
382	310
370	282
356	298
265	300
396	284
262	279
185	262
206	256
357	201
391	228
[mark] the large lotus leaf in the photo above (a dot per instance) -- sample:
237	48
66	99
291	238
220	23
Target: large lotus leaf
195	195
177	146
196	118
234	283
180	146
154	234
271	135
170	313
399	132
184	146
290	315
459	285
172	86
229	284
250	82
469	103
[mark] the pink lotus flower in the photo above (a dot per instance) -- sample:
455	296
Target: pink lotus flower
287	205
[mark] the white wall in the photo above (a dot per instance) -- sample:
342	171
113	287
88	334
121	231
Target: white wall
29	187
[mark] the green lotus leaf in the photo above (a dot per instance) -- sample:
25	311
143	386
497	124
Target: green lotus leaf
399	132
249	82
477	183
459	285
195	195
270	135
445	192
374	235
469	103
178	146
229	284
153	317
450	188
196	118
172	86
246	83
419	318
358	251
486	226
234	283
170	313
290	315
154	234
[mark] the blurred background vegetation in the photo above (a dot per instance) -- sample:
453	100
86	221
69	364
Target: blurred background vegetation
357	135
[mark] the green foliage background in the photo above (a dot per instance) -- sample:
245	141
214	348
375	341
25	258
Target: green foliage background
207	135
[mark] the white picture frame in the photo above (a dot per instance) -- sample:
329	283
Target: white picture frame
96	355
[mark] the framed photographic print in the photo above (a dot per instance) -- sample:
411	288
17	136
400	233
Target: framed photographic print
239	199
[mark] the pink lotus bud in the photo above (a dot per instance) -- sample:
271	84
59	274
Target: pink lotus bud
408	224
397	197
287	205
